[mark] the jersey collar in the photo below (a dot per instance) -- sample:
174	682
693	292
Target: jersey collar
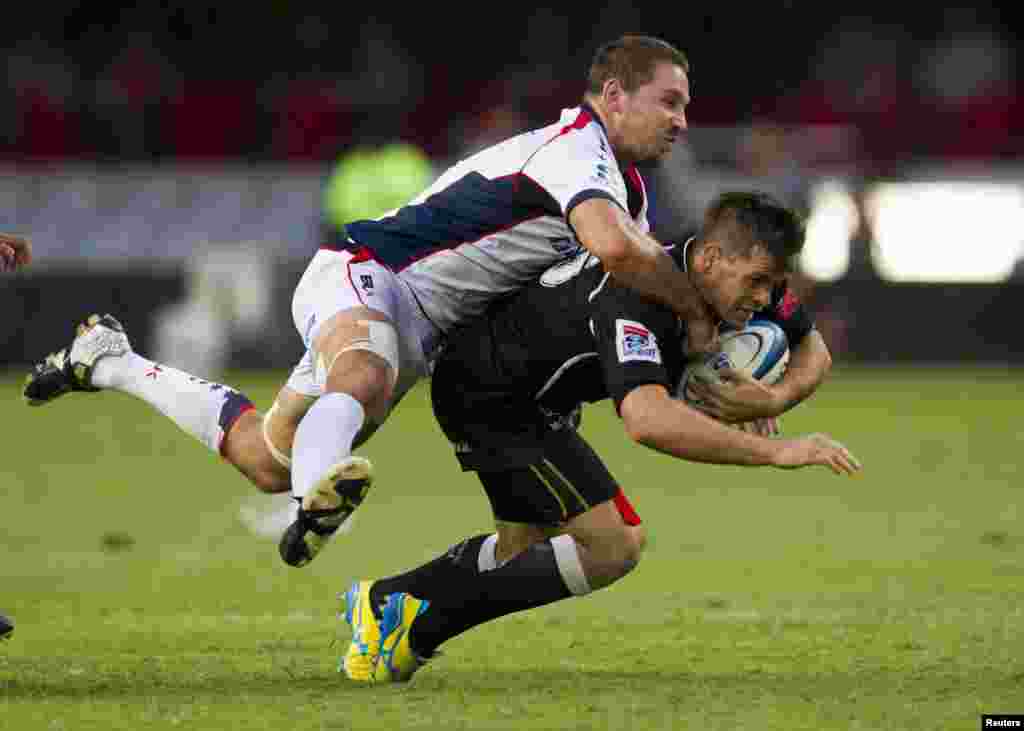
681	259
585	106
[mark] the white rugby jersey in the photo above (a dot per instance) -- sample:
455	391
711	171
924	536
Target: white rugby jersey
496	220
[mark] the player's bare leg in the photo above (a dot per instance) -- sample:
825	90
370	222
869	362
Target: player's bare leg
514	538
260	445
607	547
356	353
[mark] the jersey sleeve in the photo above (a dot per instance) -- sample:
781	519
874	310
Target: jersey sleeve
638	341
577	166
790	314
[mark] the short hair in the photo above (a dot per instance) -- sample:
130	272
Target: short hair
631	59
742	221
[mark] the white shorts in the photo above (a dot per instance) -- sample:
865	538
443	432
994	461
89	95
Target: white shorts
336	281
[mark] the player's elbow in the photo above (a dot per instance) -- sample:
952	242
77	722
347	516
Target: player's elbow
638	428
821	356
826	360
638	418
615	252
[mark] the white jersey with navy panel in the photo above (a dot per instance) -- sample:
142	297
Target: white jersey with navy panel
495	221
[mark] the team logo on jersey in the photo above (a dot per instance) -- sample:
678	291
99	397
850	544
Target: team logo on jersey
367	282
635	342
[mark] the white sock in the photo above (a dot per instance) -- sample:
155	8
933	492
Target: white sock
324	438
201	408
569	565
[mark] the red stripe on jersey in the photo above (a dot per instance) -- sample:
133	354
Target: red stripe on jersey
634	330
362	254
634	175
582	120
626	509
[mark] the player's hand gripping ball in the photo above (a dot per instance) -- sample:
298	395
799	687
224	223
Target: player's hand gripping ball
760	350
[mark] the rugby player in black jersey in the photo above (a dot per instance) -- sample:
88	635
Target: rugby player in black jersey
508	388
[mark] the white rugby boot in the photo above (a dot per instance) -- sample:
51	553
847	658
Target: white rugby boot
70	369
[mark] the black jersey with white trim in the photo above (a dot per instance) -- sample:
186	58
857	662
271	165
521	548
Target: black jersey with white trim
574	337
495	221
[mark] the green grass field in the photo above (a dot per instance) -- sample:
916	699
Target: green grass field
766	600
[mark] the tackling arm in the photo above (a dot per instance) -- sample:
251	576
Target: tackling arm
639	262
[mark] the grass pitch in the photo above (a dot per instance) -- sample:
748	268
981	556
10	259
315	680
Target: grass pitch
766	599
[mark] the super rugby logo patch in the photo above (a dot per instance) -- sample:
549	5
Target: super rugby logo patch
635	342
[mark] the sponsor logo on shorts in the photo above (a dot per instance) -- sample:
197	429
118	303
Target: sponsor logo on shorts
635	342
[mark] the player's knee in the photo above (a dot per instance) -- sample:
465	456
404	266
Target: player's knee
363	375
364	364
616	555
631	548
637	540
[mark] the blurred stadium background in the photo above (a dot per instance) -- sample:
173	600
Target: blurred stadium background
171	163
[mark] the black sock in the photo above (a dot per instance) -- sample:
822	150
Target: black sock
529	580
457	565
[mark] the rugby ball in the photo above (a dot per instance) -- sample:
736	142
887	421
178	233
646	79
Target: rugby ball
761	350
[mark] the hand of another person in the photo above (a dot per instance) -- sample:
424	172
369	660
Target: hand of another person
15	252
702	333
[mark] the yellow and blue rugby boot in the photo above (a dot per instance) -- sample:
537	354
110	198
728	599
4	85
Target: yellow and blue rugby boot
360	660
397	662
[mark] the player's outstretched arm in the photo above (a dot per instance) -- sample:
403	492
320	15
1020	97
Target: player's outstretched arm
656	420
15	252
638	261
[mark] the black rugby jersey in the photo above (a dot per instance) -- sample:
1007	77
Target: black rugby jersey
573	337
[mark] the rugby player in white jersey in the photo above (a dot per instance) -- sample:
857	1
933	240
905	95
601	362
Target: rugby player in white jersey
373	306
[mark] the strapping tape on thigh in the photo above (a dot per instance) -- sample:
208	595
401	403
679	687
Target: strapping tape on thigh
382	340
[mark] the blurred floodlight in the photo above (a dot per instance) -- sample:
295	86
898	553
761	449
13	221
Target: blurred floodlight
946	231
832	221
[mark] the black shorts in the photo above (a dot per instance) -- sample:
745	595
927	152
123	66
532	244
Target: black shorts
567	480
534	466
